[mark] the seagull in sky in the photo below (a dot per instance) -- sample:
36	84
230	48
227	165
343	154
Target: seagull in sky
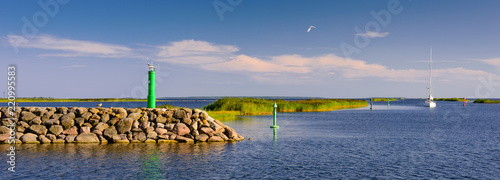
310	27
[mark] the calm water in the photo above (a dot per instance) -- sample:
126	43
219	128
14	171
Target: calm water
402	141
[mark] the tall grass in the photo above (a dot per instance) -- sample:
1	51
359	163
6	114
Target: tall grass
486	101
253	106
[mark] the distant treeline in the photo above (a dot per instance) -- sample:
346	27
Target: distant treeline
486	101
384	99
450	99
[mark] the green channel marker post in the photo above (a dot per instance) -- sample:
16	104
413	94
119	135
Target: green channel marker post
274	116
151	90
388	102
371	103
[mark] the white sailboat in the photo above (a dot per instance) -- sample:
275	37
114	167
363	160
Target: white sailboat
430	101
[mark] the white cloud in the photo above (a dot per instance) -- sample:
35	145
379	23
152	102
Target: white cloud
69	47
493	61
195	52
373	34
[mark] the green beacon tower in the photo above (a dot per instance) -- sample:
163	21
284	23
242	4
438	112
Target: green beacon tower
151	90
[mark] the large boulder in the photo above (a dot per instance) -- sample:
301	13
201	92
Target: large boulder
105	118
161	119
4	130
39	111
70	138
27	116
36	121
215	139
202	137
183	139
87	137
71	131
29	138
67	120
84	129
51	122
161	131
79	121
124	125
86	115
134	116
206	130
141	136
231	133
181	129
38	129
109	132
56	129
56	116
180	114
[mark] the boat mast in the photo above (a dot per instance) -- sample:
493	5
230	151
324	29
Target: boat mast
430	77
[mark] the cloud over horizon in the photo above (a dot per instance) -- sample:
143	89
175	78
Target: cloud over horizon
225	58
69	47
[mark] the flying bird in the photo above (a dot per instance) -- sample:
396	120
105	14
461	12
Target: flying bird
310	27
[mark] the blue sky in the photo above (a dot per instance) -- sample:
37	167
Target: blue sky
87	49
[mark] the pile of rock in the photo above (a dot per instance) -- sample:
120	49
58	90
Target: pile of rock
114	125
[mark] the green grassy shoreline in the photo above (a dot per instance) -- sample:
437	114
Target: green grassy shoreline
450	99
486	101
384	99
254	106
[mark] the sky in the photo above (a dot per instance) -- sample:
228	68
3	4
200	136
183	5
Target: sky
359	49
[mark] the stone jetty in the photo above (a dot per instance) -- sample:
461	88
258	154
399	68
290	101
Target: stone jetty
111	125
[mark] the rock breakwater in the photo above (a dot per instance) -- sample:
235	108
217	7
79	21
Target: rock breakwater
111	125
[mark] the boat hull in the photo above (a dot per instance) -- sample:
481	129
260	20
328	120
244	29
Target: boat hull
430	104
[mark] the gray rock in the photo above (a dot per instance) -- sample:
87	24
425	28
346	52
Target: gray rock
223	136
27	116
110	132
231	133
113	121
186	121
56	116
180	114
206	130
160	125
70	138
38	129
56	129
134	116
4	130
51	137
67	120
215	139
84	130
94	110
40	111
87	137
51	122
135	124
165	136
141	137
29	138
124	125
86	115
36	121
161	131
79	121
161	119
170	127
8	121
152	135
71	131
145	125
183	139
101	126
80	111
105	118
195	133
180	129
97	132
